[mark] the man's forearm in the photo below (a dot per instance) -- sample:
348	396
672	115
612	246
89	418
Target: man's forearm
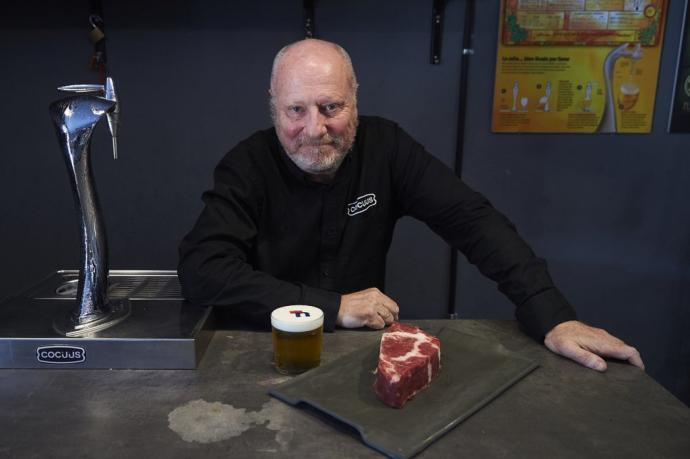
228	281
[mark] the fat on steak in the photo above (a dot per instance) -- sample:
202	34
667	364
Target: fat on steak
409	359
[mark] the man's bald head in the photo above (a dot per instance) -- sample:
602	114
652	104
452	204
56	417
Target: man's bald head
302	53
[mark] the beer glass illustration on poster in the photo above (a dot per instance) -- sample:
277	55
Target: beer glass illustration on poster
680	111
580	66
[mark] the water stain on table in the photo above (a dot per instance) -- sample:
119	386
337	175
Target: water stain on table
206	422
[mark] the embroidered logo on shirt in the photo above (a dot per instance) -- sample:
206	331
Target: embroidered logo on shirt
362	204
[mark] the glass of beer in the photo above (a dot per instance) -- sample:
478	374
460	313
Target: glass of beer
628	95
297	337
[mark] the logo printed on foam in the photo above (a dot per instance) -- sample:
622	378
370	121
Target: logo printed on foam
363	203
299	313
60	354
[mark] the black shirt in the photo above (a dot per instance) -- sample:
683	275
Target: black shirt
269	236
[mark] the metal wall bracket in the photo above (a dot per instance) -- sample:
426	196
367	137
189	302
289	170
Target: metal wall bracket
309	25
437	12
467	52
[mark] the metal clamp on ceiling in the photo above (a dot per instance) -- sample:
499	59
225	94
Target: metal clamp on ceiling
97	37
437	11
309	25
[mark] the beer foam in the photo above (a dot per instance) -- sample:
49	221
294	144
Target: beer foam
297	318
630	89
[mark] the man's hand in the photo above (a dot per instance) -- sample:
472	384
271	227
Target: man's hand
367	308
585	345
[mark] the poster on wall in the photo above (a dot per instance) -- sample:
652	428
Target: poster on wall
680	110
577	66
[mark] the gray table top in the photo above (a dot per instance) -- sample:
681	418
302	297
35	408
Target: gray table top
222	409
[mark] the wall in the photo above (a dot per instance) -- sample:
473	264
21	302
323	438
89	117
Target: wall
606	211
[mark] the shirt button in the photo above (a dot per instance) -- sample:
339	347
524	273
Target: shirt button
326	272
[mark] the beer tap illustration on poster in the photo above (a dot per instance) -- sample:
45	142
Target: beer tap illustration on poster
577	66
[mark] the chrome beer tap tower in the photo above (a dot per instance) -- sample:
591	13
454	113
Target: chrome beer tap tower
94	317
75	117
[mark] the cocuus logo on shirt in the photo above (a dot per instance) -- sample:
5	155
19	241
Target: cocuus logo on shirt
362	204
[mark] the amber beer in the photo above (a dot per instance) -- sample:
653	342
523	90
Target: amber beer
297	336
628	95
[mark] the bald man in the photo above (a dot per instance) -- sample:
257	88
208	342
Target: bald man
303	213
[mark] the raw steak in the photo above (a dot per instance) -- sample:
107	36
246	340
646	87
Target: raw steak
409	360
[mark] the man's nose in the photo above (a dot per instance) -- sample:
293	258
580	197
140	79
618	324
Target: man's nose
316	124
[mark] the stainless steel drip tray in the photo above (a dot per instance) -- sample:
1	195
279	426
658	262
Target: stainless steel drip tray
122	284
162	331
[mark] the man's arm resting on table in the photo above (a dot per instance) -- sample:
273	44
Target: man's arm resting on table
572	339
587	345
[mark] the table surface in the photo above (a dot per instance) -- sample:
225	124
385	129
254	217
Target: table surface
222	409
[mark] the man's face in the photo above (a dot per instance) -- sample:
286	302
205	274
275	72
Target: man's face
314	112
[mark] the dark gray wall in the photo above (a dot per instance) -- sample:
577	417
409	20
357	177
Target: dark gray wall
606	211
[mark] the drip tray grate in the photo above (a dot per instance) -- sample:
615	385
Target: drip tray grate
132	285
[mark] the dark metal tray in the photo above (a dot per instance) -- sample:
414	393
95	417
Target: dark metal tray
473	372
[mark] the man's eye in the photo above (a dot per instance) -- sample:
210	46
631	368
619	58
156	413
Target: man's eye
331	108
297	110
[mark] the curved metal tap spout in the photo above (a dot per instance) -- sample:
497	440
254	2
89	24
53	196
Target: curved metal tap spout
114	114
75	118
109	93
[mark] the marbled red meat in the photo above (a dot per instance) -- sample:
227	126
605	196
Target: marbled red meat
409	359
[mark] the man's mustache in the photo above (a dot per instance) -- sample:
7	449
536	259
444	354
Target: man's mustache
327	139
